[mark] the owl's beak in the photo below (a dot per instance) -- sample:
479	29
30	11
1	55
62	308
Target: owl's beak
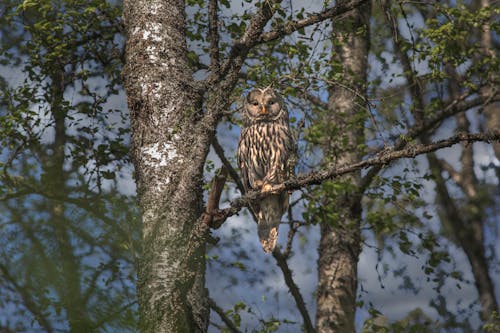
263	110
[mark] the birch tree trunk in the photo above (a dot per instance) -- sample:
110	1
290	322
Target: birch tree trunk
169	151
340	245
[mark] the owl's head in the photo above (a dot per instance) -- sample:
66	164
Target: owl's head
264	105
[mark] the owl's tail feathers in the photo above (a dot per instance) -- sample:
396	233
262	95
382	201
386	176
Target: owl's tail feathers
268	236
269	216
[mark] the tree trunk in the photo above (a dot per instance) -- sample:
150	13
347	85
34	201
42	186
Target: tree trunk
169	151
340	245
54	182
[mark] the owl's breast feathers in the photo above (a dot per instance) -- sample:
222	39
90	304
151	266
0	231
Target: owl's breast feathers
263	154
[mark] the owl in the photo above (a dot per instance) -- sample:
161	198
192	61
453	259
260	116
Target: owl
265	153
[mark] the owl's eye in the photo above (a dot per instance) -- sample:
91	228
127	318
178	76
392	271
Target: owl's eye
254	103
271	102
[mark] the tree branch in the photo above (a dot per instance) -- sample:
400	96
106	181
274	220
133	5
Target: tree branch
213	35
214	195
28	300
220	153
292	26
294	290
383	158
238	53
223	316
457	178
456	106
414	83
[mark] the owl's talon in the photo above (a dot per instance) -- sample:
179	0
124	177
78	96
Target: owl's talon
267	188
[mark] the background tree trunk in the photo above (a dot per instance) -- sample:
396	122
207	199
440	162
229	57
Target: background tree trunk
169	152
340	243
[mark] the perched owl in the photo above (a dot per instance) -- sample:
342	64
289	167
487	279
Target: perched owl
264	157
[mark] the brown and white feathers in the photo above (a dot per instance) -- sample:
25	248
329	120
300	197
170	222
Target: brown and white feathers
264	158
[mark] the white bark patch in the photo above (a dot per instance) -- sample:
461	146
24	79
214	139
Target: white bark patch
151	90
135	31
152	53
152	32
156	155
155	8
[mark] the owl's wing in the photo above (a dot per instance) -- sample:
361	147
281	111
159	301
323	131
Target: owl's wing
242	155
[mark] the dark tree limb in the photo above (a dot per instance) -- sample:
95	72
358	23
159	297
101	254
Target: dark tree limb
232	172
214	195
254	35
294	290
383	158
223	316
242	46
456	106
213	35
292	26
29	301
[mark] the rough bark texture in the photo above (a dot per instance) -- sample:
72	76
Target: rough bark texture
169	150
340	246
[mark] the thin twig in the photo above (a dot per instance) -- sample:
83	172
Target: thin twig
292	26
294	290
223	316
232	172
461	104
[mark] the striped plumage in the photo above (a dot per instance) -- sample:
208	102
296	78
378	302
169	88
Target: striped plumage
264	153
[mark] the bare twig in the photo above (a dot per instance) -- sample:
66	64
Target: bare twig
232	172
315	100
29	300
456	106
414	83
294	290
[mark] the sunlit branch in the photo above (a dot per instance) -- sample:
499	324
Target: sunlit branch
381	159
223	316
216	188
294	290
292	26
457	178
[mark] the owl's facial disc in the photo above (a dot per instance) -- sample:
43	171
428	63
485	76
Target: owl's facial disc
263	104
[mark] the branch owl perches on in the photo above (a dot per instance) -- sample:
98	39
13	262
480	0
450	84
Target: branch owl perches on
265	155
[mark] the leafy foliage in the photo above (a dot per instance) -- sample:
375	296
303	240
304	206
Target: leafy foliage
70	234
